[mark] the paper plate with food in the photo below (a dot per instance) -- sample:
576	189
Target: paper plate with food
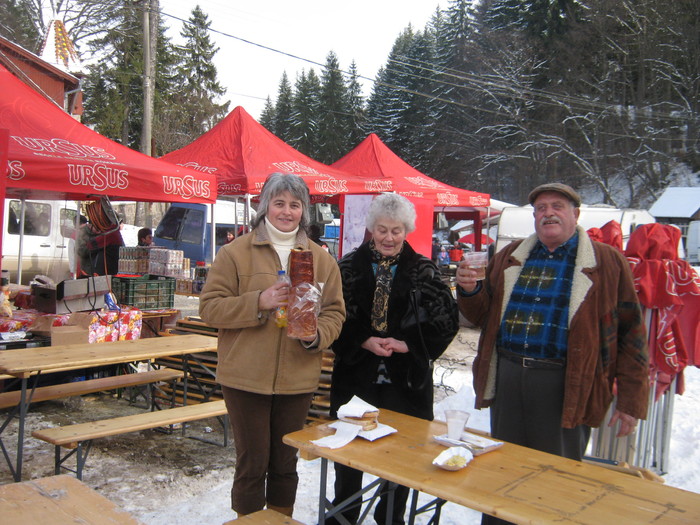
454	458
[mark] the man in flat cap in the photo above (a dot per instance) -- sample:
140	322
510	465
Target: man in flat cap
560	323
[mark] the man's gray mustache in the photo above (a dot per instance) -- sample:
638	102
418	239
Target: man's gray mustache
556	220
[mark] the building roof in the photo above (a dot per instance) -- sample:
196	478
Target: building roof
58	49
34	59
680	202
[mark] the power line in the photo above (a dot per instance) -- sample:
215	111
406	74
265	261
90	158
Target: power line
472	81
469	81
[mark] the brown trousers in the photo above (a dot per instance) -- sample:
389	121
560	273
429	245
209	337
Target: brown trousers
265	467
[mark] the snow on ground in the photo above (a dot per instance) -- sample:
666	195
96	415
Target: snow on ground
212	507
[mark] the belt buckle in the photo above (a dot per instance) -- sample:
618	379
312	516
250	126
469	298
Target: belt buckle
527	361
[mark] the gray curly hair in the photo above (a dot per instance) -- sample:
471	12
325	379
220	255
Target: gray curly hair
393	206
278	183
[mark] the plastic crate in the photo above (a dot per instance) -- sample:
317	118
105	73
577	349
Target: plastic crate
146	292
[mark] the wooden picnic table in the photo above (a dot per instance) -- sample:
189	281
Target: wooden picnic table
23	363
514	483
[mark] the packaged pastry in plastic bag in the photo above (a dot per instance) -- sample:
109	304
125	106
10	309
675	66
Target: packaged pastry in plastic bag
301	267
302	311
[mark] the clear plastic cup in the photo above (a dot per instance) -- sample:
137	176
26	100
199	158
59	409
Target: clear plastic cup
477	261
456	419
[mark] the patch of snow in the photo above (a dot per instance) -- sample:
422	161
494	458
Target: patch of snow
213	506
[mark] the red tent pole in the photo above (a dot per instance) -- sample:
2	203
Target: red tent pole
4	169
477	232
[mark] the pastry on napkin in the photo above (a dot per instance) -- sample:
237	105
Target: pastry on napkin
359	412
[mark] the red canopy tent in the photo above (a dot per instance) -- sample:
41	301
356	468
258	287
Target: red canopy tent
470	238
242	153
53	156
373	158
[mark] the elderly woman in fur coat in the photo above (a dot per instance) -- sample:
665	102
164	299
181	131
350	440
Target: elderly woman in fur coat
400	316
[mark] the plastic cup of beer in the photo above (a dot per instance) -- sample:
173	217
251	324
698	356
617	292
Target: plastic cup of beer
477	261
456	419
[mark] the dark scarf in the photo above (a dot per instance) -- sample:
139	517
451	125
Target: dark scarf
383	278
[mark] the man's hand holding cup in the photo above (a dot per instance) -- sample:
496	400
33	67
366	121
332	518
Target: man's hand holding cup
471	270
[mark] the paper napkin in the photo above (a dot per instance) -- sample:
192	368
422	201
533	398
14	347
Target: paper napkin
356	407
344	434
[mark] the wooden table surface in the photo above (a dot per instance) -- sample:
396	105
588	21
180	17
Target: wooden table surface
515	483
23	362
58	500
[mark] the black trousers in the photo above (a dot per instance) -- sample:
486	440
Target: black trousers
349	480
527	411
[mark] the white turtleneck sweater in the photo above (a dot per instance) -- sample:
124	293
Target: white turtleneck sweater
283	242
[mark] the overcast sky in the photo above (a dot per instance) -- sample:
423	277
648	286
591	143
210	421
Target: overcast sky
360	30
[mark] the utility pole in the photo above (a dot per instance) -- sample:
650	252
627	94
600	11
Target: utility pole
150	37
146	126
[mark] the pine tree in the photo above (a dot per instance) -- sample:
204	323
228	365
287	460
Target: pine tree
456	60
21	23
305	111
195	101
283	109
388	96
334	118
116	81
267	117
356	108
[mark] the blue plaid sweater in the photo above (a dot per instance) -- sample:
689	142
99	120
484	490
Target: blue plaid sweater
535	323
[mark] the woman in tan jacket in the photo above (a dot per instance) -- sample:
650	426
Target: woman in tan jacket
267	378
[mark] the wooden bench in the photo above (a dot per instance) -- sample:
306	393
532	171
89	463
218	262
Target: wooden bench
264	517
73	436
46	393
58	500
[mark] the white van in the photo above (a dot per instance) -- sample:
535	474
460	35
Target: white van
517	222
48	228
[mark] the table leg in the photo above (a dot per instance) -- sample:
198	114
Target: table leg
20	429
19	411
335	510
391	492
186	370
414	505
322	492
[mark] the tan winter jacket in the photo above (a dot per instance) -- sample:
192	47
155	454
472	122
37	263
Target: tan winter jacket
607	337
254	354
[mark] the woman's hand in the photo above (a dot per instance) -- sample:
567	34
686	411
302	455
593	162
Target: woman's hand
385	346
376	346
466	277
276	295
400	347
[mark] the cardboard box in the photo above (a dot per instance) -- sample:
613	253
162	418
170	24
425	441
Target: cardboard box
69	335
74	295
87	327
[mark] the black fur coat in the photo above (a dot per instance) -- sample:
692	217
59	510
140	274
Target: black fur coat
355	368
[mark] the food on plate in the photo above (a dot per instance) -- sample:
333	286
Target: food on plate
456	461
454	458
368	420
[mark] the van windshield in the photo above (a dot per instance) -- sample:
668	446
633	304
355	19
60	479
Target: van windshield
170	224
193	226
37	218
